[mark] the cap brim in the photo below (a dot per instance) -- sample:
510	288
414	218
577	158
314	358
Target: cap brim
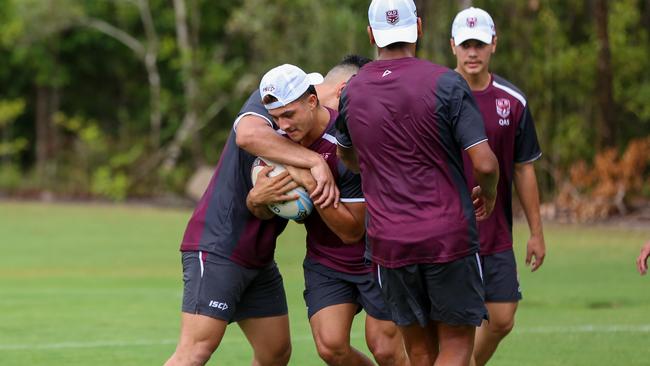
465	35
315	78
407	34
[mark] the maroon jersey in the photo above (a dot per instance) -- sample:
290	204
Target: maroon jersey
512	137
221	223
323	245
408	121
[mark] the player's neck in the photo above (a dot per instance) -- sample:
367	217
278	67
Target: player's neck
392	54
322	116
476	82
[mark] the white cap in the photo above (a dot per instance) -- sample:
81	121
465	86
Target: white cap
393	21
286	83
473	23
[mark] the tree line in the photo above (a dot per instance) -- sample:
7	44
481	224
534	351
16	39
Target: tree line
125	98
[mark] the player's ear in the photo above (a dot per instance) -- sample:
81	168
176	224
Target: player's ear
339	89
494	44
452	43
419	27
312	101
371	36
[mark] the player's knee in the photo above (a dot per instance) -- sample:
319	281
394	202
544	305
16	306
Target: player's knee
279	356
384	351
332	351
502	326
194	355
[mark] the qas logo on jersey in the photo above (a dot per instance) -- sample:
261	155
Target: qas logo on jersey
503	107
471	22
392	16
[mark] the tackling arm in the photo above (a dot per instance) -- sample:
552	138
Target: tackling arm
528	193
254	135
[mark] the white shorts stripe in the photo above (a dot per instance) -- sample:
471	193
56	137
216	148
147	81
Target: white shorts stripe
480	270
201	262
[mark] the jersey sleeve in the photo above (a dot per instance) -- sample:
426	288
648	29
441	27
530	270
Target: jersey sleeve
465	117
254	106
526	144
349	184
343	137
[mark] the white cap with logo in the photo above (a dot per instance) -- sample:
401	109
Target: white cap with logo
286	83
473	23
393	21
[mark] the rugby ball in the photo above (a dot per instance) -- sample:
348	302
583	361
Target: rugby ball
297	209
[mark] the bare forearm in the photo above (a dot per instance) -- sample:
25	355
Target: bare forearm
487	182
260	211
527	190
346	220
349	157
259	139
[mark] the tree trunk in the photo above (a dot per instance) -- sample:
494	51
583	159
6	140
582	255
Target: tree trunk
189	125
604	85
150	60
47	103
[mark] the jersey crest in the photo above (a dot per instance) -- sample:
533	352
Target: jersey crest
503	107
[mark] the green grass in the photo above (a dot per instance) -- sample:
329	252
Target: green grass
101	285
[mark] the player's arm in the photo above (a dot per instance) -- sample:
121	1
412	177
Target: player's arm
269	190
642	260
526	185
349	157
486	173
347	220
254	135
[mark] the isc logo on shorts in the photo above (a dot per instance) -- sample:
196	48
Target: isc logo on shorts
218	305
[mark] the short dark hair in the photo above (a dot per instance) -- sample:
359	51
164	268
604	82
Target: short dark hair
311	90
354	60
397	45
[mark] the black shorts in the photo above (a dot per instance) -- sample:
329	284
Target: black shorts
450	293
326	287
221	289
500	277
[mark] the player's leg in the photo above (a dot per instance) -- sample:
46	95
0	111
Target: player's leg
456	344
262	316
383	337
385	342
331	306
490	333
502	294
202	325
421	344
406	297
200	337
457	306
330	327
269	338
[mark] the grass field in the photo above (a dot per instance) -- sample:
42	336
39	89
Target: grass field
101	285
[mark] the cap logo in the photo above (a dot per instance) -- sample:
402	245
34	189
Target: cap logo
268	89
471	22
503	107
392	16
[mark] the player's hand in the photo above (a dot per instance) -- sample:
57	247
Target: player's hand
642	261
535	252
269	190
302	177
480	208
326	192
